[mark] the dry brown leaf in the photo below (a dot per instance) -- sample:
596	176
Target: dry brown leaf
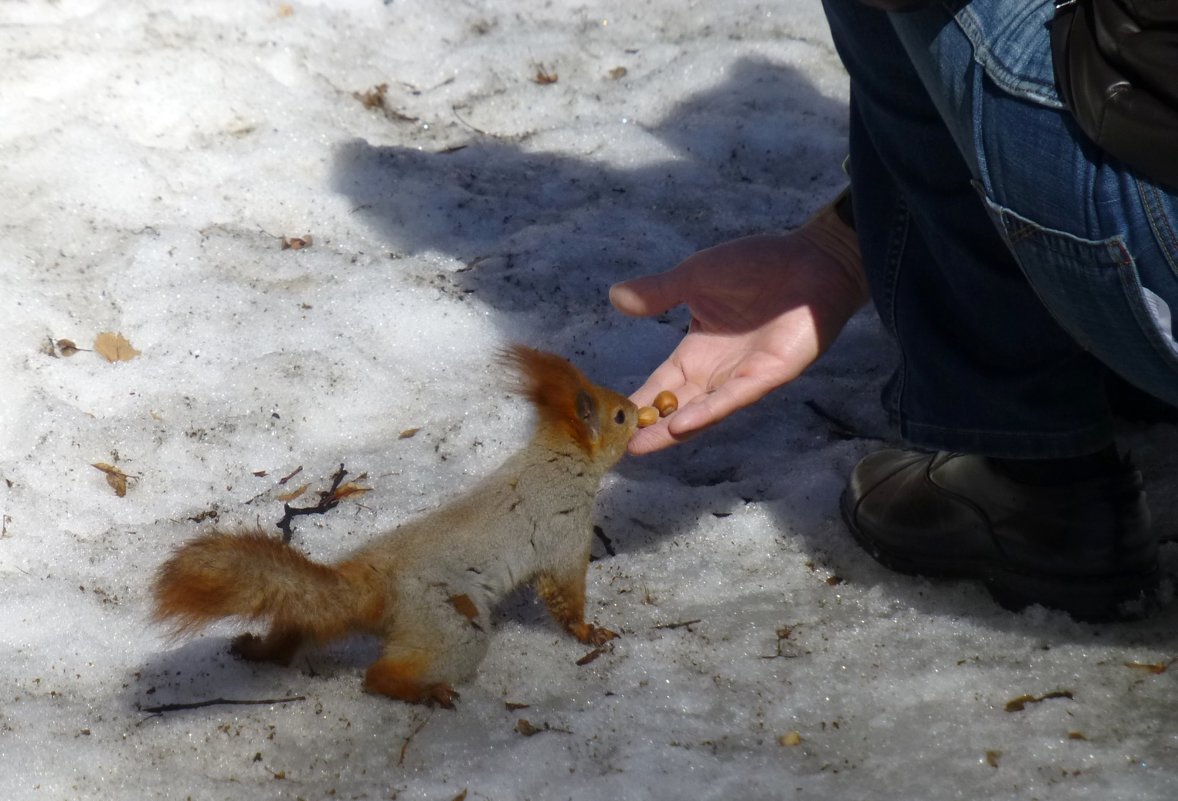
374	98
790	739
1076	735
285	10
408	432
297	242
1155	667
66	347
1020	703
617	73
525	728
287	497
513	706
992	758
114	347
544	76
115	477
348	490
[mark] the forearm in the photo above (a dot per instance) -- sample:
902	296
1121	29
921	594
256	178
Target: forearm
833	234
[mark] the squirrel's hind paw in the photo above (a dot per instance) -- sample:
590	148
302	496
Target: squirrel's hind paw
401	680
279	646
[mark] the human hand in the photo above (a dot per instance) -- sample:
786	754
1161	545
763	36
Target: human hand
763	308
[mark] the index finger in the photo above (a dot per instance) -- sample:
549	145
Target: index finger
667	376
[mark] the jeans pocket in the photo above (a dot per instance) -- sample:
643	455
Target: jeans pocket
1094	290
1012	43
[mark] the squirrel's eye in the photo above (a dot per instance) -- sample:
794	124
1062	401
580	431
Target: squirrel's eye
620	417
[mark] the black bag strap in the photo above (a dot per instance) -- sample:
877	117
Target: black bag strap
1116	67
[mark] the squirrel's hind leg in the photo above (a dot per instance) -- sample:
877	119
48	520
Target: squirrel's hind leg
432	648
407	676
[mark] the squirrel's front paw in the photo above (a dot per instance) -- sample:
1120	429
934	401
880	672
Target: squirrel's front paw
592	635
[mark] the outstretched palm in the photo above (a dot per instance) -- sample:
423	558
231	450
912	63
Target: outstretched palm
762	309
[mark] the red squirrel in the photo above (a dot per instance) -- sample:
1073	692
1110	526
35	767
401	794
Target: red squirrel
426	588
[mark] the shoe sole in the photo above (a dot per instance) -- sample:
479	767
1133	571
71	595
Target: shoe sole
1091	599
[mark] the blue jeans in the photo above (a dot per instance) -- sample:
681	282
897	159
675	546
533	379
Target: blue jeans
1013	261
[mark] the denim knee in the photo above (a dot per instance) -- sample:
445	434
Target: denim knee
983	367
1097	242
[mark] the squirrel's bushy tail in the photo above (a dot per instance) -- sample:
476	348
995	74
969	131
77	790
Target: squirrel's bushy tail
258	577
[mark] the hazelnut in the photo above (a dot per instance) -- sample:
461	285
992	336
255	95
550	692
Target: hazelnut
647	416
666	402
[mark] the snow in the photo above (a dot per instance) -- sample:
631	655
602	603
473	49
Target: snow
154	156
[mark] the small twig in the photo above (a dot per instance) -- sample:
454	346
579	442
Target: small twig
409	739
162	708
291	475
527	729
459	117
686	624
592	655
327	502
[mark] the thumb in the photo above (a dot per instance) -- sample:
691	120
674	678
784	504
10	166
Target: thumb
647	295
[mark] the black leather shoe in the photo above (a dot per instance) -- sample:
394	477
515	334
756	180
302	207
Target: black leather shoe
1085	548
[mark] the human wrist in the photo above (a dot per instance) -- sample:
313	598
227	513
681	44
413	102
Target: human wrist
830	234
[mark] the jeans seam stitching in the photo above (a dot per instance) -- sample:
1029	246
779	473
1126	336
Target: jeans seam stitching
1019	230
1159	222
896	246
1006	80
1131	286
1020	234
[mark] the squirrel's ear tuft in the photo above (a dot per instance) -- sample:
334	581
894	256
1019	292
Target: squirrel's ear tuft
561	394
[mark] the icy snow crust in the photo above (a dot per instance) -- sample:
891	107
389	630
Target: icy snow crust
153	157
